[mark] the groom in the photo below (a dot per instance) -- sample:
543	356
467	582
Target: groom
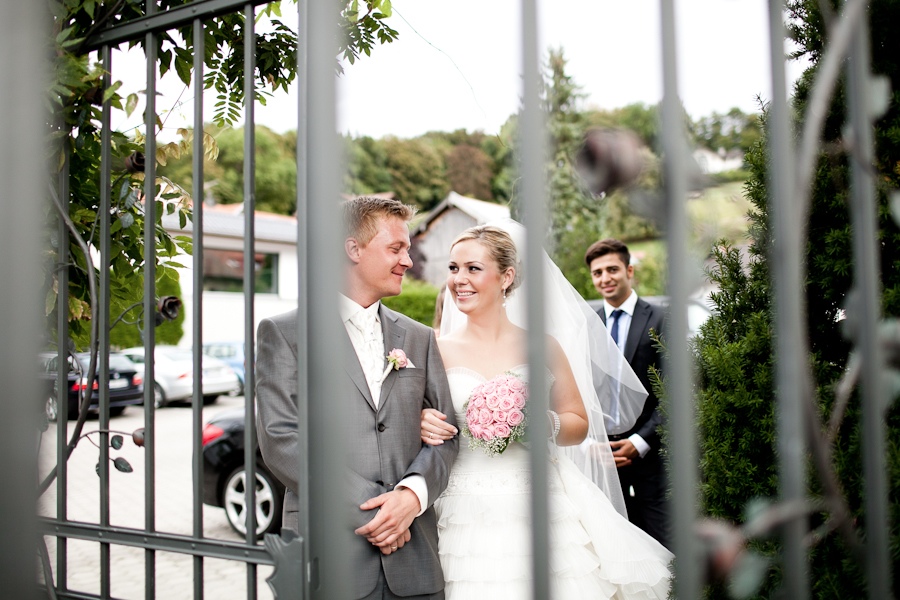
395	478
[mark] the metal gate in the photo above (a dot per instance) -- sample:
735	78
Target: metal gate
314	569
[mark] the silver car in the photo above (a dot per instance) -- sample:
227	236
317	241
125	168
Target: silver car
174	375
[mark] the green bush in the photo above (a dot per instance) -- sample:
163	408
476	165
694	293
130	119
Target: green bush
416	301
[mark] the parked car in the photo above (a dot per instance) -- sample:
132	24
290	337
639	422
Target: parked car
697	311
225	479
174	375
126	384
232	353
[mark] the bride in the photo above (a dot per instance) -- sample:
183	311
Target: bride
484	514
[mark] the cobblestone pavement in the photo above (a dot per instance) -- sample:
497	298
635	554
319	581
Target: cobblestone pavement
174	572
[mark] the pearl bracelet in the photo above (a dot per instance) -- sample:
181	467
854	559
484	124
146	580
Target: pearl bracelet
555	419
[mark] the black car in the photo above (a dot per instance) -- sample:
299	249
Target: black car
224	477
126	384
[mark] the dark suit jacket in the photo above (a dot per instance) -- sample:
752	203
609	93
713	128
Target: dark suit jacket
641	353
386	447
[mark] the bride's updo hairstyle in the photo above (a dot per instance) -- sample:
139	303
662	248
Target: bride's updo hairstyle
500	246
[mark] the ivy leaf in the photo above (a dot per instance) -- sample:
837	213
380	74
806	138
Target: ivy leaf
111	90
131	104
122	465
116	442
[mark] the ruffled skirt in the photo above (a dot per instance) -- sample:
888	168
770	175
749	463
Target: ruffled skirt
484	535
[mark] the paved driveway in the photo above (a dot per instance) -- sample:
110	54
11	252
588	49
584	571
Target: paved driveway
174	514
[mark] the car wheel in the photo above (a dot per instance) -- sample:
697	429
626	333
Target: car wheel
268	502
115	411
159	396
210	399
51	408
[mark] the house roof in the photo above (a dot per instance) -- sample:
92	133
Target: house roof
483	212
227	220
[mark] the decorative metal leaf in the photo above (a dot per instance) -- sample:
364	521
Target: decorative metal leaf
116	442
122	465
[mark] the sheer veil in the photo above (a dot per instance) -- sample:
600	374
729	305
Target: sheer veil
612	394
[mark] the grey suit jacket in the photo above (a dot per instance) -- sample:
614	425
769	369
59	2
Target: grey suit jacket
386	449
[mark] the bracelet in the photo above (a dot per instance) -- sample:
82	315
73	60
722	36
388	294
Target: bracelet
555	419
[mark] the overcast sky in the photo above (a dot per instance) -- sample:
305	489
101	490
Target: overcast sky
457	65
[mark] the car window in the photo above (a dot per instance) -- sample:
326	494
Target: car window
136	358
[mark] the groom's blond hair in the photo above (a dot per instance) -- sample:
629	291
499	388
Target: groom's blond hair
361	215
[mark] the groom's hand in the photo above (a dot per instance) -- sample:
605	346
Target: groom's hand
396	511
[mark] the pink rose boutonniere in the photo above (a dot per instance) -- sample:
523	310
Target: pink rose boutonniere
397	359
495	414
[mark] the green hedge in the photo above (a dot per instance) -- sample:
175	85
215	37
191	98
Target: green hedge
416	301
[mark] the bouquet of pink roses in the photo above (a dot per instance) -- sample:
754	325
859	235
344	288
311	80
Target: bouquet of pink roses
495	414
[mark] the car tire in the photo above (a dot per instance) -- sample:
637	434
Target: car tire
268	502
116	411
159	396
210	399
51	408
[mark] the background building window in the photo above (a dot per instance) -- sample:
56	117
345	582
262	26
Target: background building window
223	271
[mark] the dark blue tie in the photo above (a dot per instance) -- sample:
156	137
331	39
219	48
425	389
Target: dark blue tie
614	332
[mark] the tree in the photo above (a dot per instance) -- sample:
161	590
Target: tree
417	171
469	172
77	95
734	349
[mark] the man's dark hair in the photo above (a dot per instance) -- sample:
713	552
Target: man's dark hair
607	246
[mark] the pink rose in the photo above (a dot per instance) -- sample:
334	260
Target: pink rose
515	384
476	430
502	430
397	358
515	417
507	403
486	388
484	416
493	401
477	402
500	416
502	390
518	399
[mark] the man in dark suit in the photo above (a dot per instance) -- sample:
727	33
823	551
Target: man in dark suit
630	321
394	478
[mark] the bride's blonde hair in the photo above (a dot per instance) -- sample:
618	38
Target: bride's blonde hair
500	246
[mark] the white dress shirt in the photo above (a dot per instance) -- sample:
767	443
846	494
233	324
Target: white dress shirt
624	320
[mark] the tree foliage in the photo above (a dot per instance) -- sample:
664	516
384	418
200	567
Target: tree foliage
77	95
734	351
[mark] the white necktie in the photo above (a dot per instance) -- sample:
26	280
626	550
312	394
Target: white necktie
370	354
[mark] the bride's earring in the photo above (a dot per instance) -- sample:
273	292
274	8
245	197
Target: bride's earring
504	297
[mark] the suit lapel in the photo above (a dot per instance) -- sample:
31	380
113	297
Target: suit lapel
355	372
394	336
637	329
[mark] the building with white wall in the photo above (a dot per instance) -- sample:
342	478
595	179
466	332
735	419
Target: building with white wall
223	253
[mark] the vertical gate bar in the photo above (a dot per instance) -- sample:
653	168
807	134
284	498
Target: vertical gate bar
197	300
683	451
24	174
303	287
249	279
863	211
102	315
532	149
790	356
62	381
149	332
330	537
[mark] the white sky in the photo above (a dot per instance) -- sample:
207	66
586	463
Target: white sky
457	65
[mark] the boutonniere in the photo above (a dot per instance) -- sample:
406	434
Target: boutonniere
396	360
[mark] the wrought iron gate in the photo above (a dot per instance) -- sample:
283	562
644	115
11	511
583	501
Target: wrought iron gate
314	569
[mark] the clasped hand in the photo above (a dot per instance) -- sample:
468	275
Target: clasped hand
389	528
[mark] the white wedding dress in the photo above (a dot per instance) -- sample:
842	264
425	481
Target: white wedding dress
484	528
